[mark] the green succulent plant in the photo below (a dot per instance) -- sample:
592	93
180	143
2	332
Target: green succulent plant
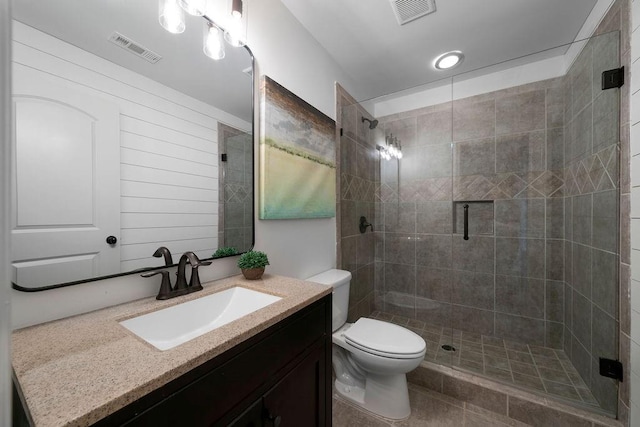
225	251
253	259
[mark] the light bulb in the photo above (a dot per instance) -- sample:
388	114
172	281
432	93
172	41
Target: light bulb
171	16
213	43
448	60
194	7
234	31
236	9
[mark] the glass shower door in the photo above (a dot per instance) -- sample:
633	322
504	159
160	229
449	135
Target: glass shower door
535	168
497	232
414	249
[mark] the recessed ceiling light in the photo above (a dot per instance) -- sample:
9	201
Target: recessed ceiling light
448	60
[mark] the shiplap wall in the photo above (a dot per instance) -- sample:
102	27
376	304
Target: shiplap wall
168	149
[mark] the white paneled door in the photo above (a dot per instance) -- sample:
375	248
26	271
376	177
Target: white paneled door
66	189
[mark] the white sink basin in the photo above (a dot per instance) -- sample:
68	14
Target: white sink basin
172	326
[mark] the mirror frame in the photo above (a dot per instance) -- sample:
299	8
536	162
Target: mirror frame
142	270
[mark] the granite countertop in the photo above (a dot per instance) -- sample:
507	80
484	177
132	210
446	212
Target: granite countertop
78	370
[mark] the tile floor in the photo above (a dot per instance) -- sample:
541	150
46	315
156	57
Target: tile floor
428	408
539	369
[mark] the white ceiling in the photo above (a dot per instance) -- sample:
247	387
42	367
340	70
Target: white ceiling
88	24
364	37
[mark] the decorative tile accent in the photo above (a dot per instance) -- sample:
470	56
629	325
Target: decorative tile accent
511	185
357	189
236	193
548	183
595	173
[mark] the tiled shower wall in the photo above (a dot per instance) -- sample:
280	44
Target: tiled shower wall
358	168
422	269
506	280
236	201
541	264
591	215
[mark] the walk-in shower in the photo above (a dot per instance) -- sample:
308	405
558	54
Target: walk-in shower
529	172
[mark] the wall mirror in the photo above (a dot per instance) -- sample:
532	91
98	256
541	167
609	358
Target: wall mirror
126	138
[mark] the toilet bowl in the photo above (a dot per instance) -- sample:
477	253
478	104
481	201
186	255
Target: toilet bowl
370	357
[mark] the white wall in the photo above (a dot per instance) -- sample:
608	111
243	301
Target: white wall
5	283
286	52
635	215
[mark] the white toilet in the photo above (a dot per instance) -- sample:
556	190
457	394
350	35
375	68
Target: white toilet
370	357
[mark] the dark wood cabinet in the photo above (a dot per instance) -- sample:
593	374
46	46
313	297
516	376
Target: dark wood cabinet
294	401
282	376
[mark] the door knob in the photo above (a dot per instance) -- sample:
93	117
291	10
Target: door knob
112	240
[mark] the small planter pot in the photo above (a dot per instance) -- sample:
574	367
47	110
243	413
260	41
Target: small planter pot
253	273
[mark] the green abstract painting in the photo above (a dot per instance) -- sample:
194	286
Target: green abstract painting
297	157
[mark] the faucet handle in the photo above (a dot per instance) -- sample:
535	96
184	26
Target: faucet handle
195	276
195	261
165	286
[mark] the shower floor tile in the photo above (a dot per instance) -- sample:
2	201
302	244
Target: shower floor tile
542	369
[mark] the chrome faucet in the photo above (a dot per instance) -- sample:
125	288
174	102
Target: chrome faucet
181	287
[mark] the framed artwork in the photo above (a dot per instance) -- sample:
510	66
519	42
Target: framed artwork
297	157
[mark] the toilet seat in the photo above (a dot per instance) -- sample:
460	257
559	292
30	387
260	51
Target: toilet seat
384	339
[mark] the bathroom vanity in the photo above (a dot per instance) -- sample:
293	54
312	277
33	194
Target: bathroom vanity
271	367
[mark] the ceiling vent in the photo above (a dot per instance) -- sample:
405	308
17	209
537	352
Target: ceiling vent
409	10
133	47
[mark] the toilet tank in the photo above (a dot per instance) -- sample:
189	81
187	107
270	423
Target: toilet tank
340	281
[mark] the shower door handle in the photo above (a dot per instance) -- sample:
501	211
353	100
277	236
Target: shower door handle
466	221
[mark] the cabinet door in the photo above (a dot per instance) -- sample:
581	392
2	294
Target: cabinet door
299	398
252	417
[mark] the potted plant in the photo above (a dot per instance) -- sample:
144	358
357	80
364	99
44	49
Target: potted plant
252	264
225	251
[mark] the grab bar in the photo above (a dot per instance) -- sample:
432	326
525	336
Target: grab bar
466	221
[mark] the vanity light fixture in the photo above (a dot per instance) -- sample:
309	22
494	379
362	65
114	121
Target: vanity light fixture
213	41
391	148
194	7
233	34
448	60
171	16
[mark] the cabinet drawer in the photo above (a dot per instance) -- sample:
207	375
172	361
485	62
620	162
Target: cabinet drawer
246	374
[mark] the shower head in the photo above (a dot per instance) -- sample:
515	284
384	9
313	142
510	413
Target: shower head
372	123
